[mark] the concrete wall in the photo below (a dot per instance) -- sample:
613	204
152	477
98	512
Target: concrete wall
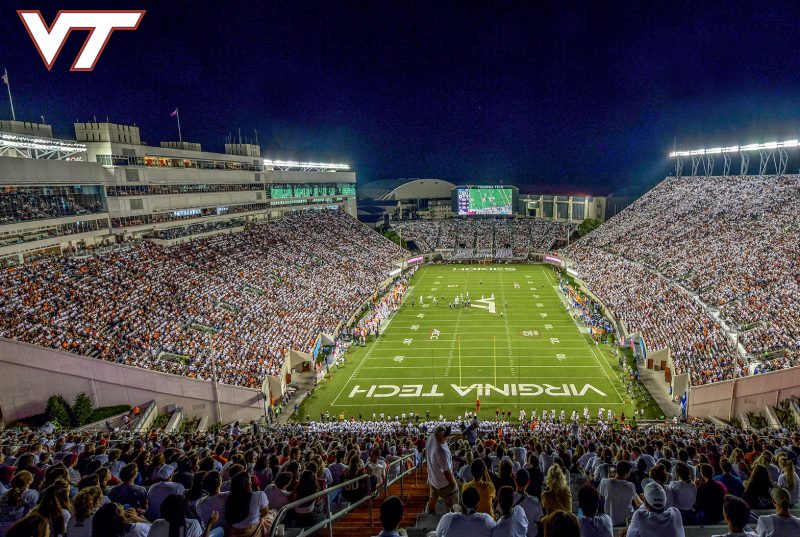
30	374
29	172
747	394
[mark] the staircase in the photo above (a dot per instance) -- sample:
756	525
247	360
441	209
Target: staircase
415	497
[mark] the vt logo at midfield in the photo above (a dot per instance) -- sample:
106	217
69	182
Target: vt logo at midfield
485	304
49	40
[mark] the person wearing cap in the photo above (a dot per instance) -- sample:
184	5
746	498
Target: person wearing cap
737	515
160	490
529	504
619	494
653	519
441	482
469	522
70	461
781	523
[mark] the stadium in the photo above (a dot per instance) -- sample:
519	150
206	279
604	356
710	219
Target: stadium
229	340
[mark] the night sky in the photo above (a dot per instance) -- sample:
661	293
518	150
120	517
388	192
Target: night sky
576	97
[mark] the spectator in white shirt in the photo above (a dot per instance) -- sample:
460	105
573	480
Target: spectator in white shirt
469	522
653	519
592	524
789	479
684	492
781	523
441	482
276	492
174	521
377	467
85	505
529	504
512	521
159	491
619	494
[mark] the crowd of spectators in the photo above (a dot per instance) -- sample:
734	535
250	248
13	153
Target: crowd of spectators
25	204
226	307
733	241
194	229
521	480
471	238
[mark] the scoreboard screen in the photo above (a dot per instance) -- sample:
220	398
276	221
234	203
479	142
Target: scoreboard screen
482	200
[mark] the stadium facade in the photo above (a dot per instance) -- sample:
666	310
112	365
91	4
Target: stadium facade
428	198
106	185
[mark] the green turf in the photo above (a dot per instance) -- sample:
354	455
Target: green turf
523	358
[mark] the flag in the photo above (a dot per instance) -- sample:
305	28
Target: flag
173	114
5	78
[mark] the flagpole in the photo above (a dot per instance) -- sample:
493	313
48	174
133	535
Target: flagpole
8	87
178	117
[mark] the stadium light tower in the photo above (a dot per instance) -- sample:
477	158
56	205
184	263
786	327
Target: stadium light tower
767	152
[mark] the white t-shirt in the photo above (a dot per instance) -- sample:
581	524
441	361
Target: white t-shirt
684	494
794	493
276	497
156	495
647	524
514	526
533	512
160	528
138	529
209	504
778	526
439	461
80	529
618	496
258	500
596	526
460	525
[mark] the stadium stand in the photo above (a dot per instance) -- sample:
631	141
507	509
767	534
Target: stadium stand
710	238
469	238
26	204
227	306
685	479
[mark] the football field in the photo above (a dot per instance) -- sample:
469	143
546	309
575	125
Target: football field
515	347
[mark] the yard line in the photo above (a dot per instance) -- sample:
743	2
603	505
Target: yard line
594	355
487	366
532	402
482	377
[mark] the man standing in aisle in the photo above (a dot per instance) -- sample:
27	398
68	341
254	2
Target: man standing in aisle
441	482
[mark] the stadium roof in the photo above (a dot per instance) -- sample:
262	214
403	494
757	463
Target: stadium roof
406	188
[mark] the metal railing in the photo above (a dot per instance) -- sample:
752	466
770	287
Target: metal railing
331	517
414	467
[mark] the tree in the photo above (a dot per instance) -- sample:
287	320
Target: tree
395	238
81	410
58	410
587	226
